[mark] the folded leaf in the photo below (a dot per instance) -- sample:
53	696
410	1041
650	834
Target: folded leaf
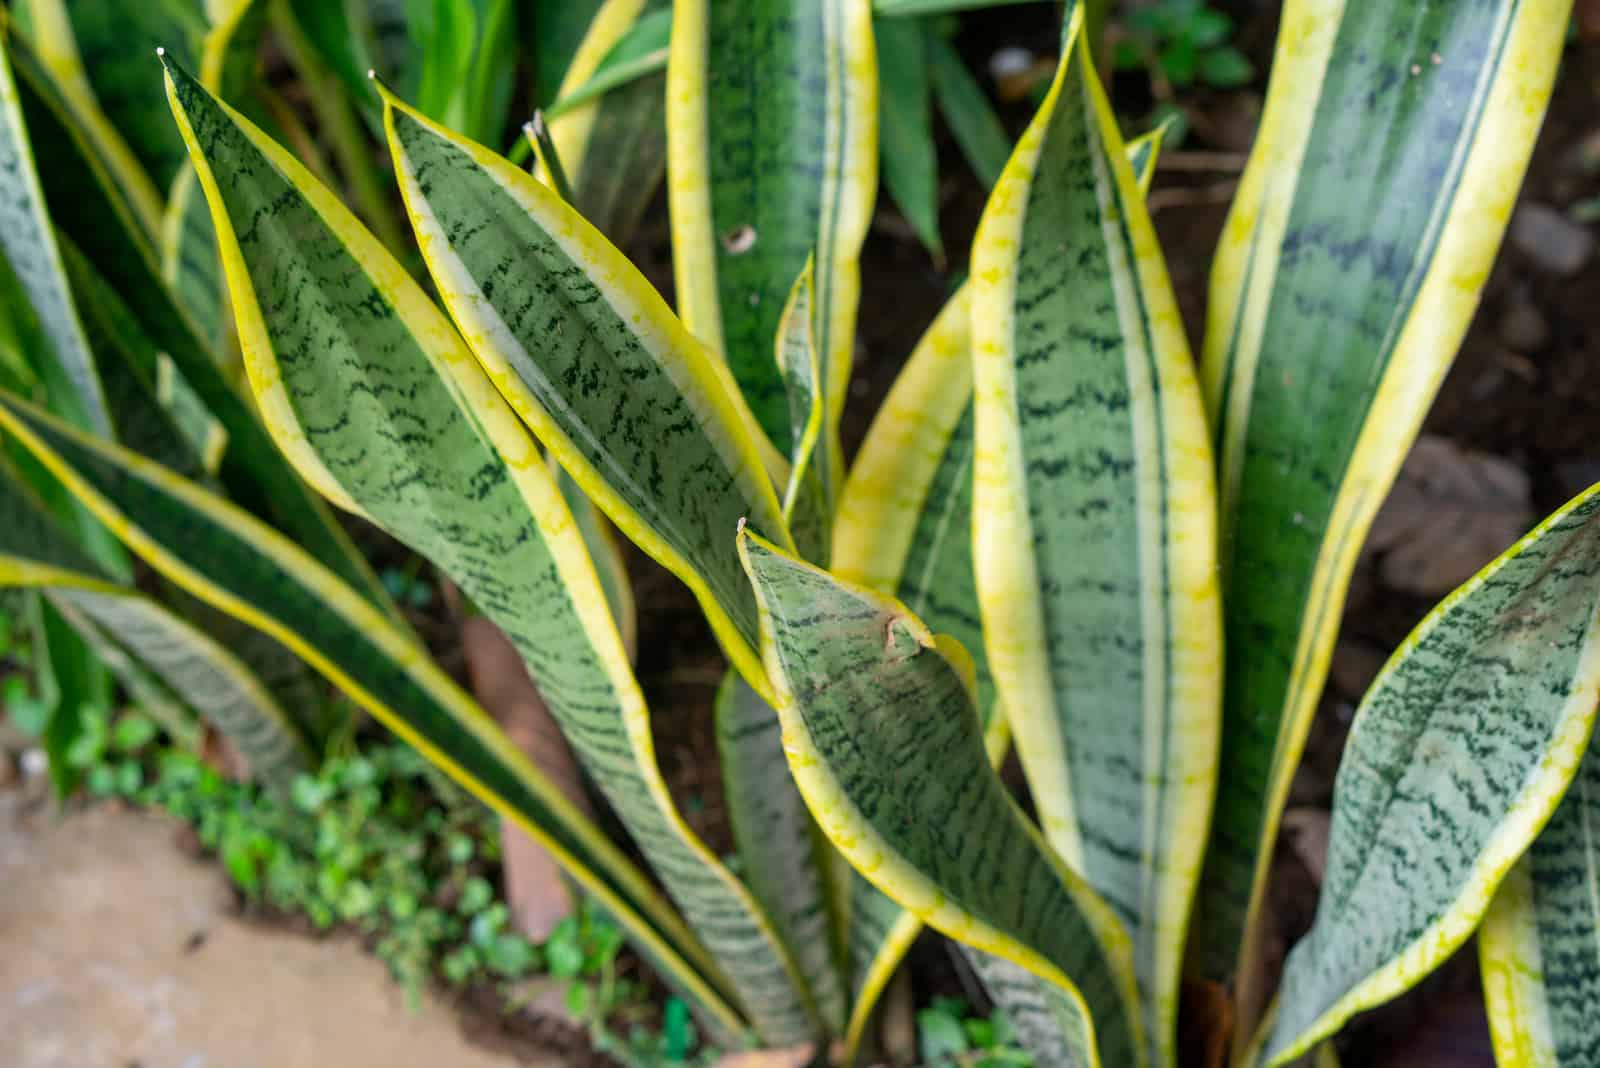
589	356
1538	941
28	242
814	462
88	208
772	157
884	742
1457	757
1094	525
366	385
1391	147
223	556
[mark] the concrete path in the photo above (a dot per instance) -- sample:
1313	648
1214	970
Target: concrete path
117	951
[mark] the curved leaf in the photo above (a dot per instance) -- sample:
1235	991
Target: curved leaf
589	356
87	206
1389	155
1457	757
1094	525
238	564
28	242
363	377
884	743
36	553
771	158
1539	941
614	144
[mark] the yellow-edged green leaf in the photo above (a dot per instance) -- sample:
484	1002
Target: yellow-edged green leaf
88	208
374	395
227	558
613	145
1094	528
1391	147
1458	756
1537	943
814	462
28	242
589	356
782	855
771	158
601	541
36	553
641	50
885	745
905	528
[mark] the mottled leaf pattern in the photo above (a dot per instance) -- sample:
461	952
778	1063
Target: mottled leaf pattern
1393	141
1457	757
1540	942
885	744
363	376
592	360
27	240
223	556
772	157
1094	525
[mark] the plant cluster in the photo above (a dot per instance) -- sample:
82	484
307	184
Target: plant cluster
1060	534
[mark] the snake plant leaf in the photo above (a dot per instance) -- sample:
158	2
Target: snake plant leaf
612	139
808	498
931	7
967	111
885	745
771	157
1325	345
783	856
552	35
1537	943
91	211
38	554
1458	755
368	387
590	357
1095	552
906	154
640	50
905	528
103	50
28	242
130	369
227	558
52	38
601	541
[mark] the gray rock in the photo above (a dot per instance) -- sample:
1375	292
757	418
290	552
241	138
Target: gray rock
1553	242
1522	325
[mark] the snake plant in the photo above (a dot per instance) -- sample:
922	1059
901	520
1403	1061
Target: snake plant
1062	534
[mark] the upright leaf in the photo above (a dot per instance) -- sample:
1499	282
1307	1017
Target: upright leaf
366	385
772	157
884	742
967	112
1538	941
613	145
905	126
1458	756
1390	151
28	243
589	356
223	556
90	210
1094	524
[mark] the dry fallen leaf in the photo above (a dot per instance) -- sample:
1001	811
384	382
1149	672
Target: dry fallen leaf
1451	511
